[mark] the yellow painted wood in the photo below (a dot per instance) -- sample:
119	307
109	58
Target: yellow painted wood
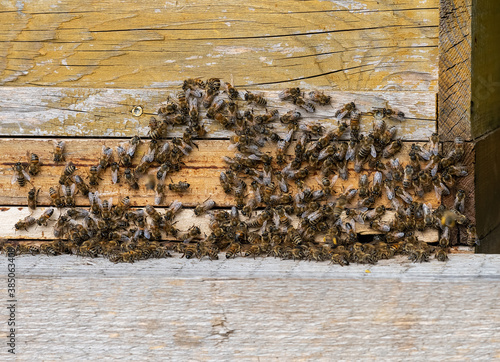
350	46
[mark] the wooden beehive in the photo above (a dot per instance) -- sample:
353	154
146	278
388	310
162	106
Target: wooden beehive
74	71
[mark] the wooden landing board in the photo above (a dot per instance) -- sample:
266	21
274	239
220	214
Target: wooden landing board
362	45
202	171
105	112
256	309
185	219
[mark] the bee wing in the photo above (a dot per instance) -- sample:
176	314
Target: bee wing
434	170
106	151
114	176
73	188
276	219
149	156
377	178
26	175
91	197
395	203
13	180
341	115
426	155
131	150
373	151
147	233
64	189
120	150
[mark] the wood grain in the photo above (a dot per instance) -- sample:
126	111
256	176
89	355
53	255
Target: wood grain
202	171
454	100
362	45
54	111
485	68
261	309
487	172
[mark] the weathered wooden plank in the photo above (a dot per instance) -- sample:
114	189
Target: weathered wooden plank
454	69
185	219
52	111
487	196
485	68
202	170
362	45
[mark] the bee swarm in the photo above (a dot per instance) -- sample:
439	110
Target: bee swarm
285	199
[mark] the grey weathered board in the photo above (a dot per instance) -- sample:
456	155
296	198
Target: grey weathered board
73	308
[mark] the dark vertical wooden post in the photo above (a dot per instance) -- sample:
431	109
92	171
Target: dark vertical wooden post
469	107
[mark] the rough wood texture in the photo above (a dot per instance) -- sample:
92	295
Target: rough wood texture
485	67
362	45
53	111
454	69
487	190
256	310
202	171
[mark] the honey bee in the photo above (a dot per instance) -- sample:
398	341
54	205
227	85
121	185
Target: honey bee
306	105
33	163
320	98
20	175
68	170
289	94
232	250
25	223
190	251
106	157
459	203
232	93
363	186
354	123
472	238
204	207
191	87
81	185
59	155
56	198
181	186
32	198
68	194
193	232
291	117
94	202
131	179
345	111
441	254
44	218
208	249
213	83
408	175
254	98
94	172
214	111
392	149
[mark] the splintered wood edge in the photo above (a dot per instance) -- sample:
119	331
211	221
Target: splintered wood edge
202	169
72	112
185	219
